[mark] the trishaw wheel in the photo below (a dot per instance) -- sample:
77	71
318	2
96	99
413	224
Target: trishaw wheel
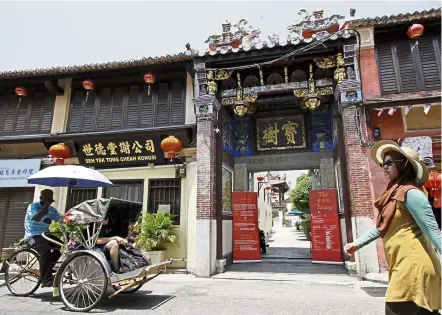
22	274
129	290
87	285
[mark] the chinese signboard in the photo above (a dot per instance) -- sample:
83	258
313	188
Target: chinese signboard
325	229
14	173
322	131
130	151
246	246
283	133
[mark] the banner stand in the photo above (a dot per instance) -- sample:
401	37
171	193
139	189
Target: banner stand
246	245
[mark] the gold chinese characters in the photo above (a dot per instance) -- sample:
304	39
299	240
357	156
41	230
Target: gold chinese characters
117	148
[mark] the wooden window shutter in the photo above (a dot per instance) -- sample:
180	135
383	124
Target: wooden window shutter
104	109
429	57
177	103
46	102
118	105
407	69
76	111
162	105
387	72
89	112
9	116
146	108
133	107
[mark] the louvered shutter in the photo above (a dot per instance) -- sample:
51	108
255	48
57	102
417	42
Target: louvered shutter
407	69
75	114
104	109
428	49
146	110
386	68
117	108
46	102
177	103
133	107
162	105
10	115
89	113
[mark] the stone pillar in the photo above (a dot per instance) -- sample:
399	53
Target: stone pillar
241	178
206	108
61	107
360	188
326	169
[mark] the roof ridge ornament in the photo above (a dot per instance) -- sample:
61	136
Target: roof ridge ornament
314	24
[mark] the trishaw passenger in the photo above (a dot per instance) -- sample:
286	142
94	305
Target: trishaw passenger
110	245
37	220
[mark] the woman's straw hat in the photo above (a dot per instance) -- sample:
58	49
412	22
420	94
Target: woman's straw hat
379	151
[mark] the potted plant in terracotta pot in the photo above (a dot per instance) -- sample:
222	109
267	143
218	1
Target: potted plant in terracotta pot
156	232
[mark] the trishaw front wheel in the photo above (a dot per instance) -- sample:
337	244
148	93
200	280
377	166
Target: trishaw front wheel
22	274
87	283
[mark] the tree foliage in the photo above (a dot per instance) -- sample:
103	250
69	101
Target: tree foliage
300	194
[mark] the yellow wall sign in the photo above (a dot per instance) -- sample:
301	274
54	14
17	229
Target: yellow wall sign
114	152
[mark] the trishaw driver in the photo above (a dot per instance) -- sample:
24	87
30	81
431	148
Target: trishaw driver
38	218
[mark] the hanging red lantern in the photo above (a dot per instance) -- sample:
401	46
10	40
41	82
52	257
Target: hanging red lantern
260	178
60	152
149	78
415	31
21	92
171	146
88	85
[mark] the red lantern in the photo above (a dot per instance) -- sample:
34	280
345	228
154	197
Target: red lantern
415	31
260	178
434	185
149	78
88	85
60	152
171	146
21	91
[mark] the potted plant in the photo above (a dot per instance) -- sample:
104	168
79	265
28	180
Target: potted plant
156	232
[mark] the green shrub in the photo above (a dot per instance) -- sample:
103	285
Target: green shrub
156	232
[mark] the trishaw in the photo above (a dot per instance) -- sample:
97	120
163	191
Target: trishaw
83	274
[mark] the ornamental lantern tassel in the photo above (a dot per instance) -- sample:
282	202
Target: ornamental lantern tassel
149	78
88	85
415	31
21	92
171	146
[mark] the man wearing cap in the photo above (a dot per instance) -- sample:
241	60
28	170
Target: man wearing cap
37	220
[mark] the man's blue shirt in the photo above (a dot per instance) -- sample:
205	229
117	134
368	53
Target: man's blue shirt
33	228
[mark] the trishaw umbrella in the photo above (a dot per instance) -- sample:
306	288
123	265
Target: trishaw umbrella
69	176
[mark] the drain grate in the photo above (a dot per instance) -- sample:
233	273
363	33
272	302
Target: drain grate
375	291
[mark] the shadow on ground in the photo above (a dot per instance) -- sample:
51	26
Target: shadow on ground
141	300
299	267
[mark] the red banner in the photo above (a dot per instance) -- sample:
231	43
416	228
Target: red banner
246	247
325	227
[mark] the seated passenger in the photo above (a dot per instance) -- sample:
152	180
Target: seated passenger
110	245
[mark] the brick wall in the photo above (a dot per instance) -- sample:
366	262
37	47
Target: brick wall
206	173
358	171
228	159
369	73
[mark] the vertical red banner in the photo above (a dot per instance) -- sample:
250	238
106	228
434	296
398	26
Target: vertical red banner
325	227
246	247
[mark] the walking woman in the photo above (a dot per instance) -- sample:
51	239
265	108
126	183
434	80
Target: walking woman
409	233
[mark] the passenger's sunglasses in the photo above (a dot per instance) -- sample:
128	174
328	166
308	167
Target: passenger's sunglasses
389	162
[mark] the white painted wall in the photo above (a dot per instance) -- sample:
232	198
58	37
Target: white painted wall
264	208
367	257
191	215
190	111
227	237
